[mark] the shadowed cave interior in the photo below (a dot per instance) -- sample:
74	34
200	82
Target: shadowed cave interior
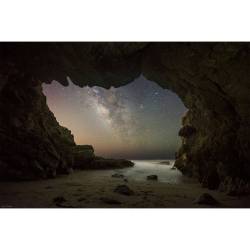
212	80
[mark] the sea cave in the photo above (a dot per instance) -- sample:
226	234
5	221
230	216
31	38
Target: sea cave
211	79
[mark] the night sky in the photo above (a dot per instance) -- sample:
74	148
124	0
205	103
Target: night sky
137	121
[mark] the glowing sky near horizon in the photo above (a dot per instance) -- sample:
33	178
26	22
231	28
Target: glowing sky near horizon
137	121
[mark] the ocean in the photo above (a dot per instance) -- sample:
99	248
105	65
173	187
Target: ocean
143	168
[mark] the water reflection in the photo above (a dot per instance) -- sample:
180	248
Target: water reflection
143	168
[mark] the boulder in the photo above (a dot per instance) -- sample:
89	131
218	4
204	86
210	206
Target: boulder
123	189
206	199
101	163
110	201
59	199
152	177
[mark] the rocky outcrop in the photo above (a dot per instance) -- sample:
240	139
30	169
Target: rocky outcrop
33	144
152	177
187	131
124	190
83	156
212	79
206	199
101	163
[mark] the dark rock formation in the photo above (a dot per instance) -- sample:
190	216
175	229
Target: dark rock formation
212	79
235	186
101	163
110	201
83	156
124	189
152	177
32	143
206	199
187	131
59	199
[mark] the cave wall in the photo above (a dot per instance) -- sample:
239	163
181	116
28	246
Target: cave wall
212	79
33	144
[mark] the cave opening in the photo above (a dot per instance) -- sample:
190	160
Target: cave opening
214	147
137	121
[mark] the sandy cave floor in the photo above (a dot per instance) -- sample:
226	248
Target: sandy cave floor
95	189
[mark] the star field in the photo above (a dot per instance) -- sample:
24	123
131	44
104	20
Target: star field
137	121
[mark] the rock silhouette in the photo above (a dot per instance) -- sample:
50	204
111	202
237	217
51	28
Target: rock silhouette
206	199
124	189
212	79
152	177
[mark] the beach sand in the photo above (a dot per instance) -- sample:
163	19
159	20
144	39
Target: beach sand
95	189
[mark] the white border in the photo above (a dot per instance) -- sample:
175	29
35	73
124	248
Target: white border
123	229
120	20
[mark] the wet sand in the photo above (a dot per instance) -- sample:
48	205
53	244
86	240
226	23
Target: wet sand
95	189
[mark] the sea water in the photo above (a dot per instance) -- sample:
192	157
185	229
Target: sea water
143	168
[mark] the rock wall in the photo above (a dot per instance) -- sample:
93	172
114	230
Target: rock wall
212	79
33	144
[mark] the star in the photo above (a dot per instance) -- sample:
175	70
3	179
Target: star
138	118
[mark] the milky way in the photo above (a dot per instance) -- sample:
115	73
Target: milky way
139	120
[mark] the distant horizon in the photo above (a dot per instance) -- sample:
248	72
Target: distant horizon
140	159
